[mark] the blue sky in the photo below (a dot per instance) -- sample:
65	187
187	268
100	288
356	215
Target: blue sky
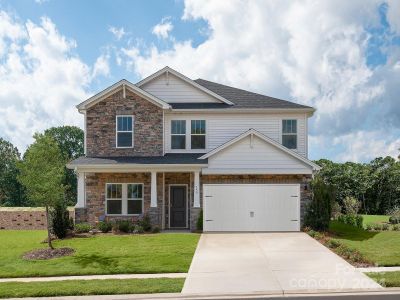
341	57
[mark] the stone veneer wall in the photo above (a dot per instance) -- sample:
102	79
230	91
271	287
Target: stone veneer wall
303	180
95	196
25	217
101	126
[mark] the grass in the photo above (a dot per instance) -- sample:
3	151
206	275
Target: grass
372	219
387	279
90	287
381	248
102	254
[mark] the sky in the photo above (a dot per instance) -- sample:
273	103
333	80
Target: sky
341	57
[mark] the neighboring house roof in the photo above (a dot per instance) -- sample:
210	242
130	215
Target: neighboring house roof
245	99
186	79
267	140
122	84
167	159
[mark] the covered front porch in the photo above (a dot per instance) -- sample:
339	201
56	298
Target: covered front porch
171	198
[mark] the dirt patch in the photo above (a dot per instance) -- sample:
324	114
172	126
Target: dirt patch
47	253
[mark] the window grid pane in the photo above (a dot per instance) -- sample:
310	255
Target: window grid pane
135	191
135	207
114	191
178	127
289	126
178	142
198	127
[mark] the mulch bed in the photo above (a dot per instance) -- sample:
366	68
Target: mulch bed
48	253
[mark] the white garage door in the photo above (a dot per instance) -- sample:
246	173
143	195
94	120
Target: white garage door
251	207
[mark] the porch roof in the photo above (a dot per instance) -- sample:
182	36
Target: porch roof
167	159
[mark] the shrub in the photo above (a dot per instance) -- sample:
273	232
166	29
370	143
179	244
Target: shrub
125	226
352	220
377	227
312	233
156	229
351	205
394	220
318	212
396	227
199	223
82	227
332	243
104	226
138	229
369	227
60	222
145	223
385	227
336	210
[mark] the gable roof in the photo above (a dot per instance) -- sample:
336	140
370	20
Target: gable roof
122	84
265	139
245	99
187	80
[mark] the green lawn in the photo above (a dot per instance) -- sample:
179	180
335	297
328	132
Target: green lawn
382	248
371	219
387	279
90	287
102	254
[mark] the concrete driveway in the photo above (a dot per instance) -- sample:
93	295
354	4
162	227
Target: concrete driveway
274	263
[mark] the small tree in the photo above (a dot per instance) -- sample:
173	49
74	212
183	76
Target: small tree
319	210
60	222
351	205
41	172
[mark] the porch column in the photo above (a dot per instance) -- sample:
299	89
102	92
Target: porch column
153	202
196	189
81	190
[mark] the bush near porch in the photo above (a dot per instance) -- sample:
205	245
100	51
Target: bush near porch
100	254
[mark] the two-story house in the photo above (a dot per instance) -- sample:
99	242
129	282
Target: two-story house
169	146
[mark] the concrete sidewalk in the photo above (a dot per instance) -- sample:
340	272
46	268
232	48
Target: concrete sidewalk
91	277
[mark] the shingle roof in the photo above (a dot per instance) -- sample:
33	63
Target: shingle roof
245	99
169	158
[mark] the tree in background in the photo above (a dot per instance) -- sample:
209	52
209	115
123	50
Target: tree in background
70	140
42	174
11	191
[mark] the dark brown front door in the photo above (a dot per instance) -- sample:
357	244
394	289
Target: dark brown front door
178	206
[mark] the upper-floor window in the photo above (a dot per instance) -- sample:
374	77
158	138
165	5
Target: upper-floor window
178	134
198	134
124	133
289	133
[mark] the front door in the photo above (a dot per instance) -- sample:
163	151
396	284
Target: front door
178	206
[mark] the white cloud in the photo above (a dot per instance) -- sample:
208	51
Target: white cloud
41	81
101	66
312	52
117	32
364	145
162	29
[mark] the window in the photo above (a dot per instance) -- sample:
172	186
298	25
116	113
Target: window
198	134
178	134
114	199
289	133
135	199
124	198
124	131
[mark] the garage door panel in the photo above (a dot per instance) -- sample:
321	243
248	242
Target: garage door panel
251	207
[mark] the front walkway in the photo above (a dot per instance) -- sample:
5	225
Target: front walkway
91	277
272	263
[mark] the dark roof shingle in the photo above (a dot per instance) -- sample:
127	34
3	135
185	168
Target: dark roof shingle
244	99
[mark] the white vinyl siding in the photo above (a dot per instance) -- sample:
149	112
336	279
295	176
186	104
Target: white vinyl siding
224	127
172	89
254	155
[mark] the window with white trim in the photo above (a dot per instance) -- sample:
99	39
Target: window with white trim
178	134
289	134
135	199
114	199
124	132
124	198
198	134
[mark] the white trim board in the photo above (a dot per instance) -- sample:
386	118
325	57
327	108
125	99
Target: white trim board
185	79
122	84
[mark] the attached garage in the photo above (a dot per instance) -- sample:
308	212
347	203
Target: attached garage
251	207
